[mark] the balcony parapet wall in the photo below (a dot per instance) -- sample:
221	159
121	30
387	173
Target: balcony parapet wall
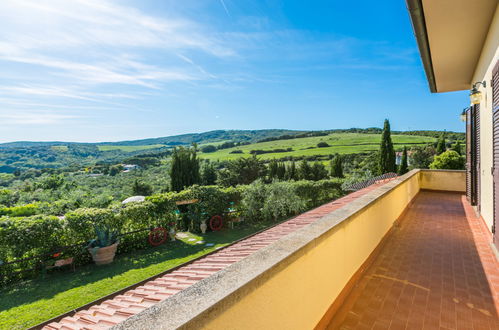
296	282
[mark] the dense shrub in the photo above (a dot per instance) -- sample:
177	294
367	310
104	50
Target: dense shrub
322	145
209	148
448	160
23	237
280	199
80	223
20	211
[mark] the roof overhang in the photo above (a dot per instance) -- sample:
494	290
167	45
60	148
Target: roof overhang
450	36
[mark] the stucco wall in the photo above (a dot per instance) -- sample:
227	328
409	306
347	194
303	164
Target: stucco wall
443	180
488	58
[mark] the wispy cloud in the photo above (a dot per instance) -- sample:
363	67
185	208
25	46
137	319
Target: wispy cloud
34	118
225	7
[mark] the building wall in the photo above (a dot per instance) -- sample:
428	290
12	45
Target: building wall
483	72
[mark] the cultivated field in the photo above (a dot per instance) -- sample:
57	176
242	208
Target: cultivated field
129	148
342	143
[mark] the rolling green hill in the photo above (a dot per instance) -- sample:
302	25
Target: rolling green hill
342	143
26	155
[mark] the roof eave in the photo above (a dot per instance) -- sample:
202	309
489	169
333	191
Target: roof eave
416	13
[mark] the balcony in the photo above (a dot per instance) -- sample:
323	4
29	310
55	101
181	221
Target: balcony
406	254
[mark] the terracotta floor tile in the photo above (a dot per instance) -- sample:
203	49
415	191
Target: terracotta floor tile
439	271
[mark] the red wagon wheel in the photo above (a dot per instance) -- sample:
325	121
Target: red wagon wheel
216	223
158	236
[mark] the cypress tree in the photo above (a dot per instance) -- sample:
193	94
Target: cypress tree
281	171
337	167
291	171
184	171
441	144
273	169
403	168
386	151
305	171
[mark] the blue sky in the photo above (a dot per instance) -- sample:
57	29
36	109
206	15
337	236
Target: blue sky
103	70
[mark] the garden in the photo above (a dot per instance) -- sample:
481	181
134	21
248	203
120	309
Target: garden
46	261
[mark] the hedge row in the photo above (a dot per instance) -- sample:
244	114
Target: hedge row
25	237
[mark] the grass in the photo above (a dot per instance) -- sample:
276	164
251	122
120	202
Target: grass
31	302
129	148
342	143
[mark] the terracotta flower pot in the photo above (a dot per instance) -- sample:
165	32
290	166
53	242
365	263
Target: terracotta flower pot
103	255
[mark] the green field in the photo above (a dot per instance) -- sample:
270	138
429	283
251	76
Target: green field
129	148
342	143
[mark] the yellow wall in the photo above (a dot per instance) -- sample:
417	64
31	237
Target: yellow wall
297	293
488	58
443	180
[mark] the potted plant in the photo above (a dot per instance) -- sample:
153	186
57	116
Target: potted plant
103	248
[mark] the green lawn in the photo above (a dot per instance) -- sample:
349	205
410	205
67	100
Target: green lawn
342	143
129	148
29	303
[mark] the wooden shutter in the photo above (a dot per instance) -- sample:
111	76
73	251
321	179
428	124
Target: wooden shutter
468	155
477	154
473	155
495	166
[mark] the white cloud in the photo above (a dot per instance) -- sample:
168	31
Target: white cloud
34	118
100	42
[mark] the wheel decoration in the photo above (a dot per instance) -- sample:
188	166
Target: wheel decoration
216	223
158	236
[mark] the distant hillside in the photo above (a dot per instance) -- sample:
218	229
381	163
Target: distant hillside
23	155
183	139
211	136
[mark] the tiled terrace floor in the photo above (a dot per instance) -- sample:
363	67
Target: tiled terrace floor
119	308
436	271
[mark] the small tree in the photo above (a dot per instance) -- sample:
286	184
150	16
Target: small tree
422	157
322	144
241	171
386	151
319	171
305	171
209	148
141	188
403	168
115	169
450	160
337	167
441	144
457	147
208	174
